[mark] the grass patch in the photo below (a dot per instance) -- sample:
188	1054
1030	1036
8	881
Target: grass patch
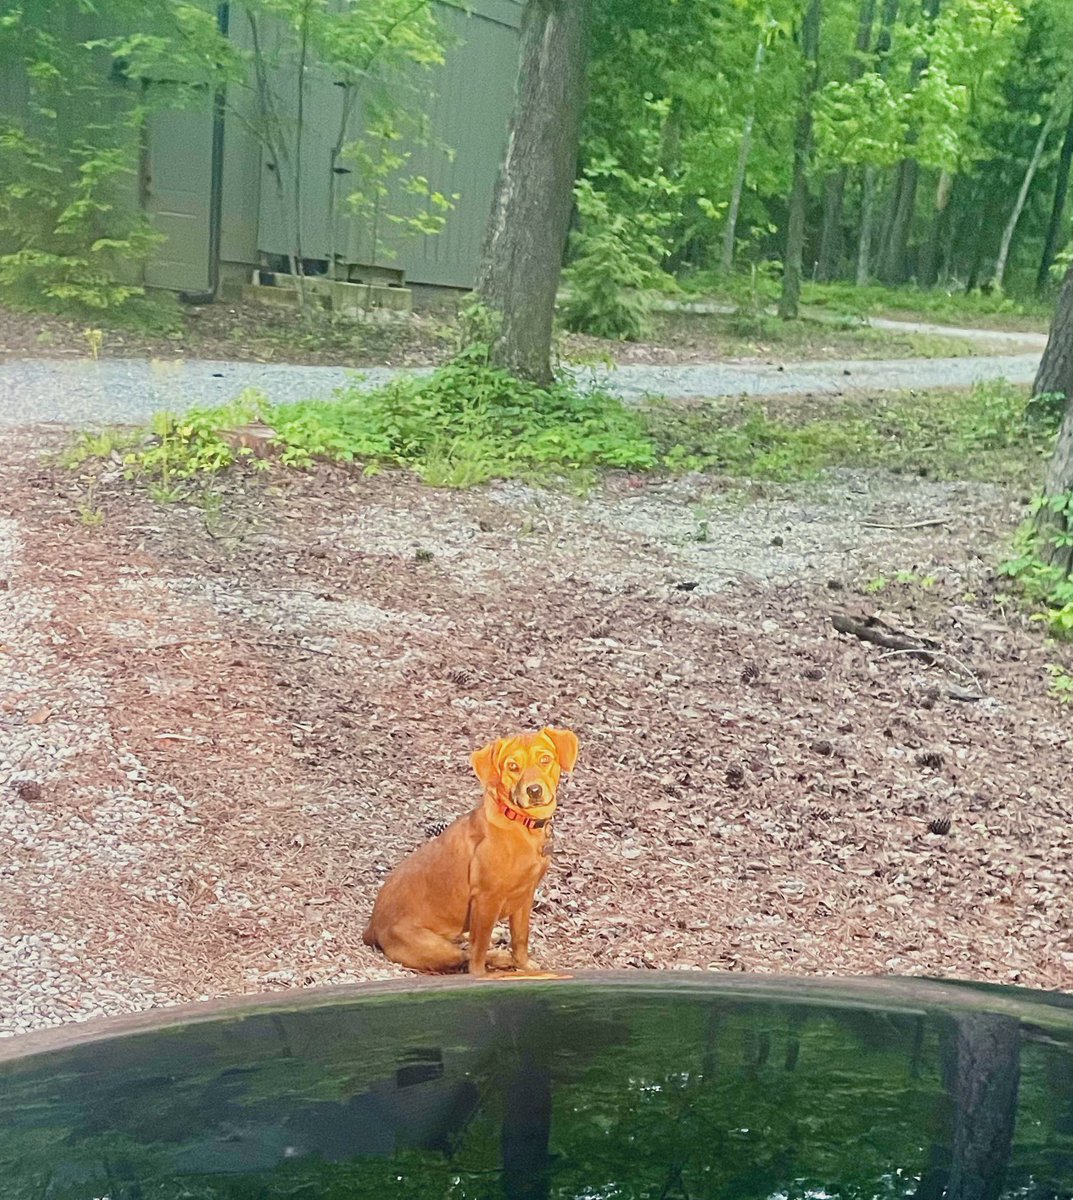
937	304
940	305
468	423
463	425
983	434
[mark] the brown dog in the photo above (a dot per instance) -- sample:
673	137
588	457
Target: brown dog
484	866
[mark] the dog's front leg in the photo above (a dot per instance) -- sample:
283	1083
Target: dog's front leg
483	914
519	936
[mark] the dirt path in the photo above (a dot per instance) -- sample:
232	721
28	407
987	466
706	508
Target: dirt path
219	728
129	391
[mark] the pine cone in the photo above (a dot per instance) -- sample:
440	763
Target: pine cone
939	825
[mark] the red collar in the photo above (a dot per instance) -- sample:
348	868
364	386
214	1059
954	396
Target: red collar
516	814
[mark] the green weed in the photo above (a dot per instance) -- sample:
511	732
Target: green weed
1061	683
1045	586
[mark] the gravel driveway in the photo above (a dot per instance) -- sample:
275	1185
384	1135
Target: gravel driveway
129	391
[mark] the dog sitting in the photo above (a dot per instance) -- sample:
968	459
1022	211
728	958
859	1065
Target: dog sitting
484	866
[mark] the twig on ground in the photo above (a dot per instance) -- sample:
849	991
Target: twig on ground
881	634
967	671
925	524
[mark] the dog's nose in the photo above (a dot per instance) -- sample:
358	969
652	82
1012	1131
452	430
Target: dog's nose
534	791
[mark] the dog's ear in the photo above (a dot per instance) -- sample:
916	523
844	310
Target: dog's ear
565	744
484	763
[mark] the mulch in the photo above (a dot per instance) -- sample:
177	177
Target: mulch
304	672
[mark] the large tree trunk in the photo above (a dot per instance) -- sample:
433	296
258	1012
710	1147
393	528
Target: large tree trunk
832	240
730	233
523	249
1022	195
864	238
1061	191
980	1055
1055	377
795	225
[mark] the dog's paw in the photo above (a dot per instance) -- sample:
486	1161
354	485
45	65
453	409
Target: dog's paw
500	960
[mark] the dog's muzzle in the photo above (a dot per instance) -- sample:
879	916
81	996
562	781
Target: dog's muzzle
531	795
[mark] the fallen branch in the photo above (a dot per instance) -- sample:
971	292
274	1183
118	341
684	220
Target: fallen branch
961	694
879	633
872	629
925	524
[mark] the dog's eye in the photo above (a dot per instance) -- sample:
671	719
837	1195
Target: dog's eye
545	760
512	766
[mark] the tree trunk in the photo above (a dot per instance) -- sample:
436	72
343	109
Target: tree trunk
1055	377
894	268
830	260
523	248
832	239
866	235
929	267
730	233
864	239
1054	226
985	1086
896	245
1022	195
795	225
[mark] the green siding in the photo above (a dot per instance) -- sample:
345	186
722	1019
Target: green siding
471	97
178	172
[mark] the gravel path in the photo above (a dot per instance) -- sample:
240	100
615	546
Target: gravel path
129	390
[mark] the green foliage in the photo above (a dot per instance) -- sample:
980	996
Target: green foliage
464	424
1061	683
72	234
979	434
949	304
1045	585
615	258
65	234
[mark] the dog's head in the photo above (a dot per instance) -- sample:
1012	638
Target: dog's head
525	769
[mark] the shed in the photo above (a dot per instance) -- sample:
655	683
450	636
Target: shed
207	187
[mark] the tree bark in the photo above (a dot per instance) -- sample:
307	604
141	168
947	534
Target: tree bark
523	248
929	266
1055	377
903	207
1061	191
864	239
985	1086
832	239
1022	195
795	225
730	233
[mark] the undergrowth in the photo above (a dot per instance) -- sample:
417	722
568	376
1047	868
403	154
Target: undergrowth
1046	586
468	423
988	433
953	304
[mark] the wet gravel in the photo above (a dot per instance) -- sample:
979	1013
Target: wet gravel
129	391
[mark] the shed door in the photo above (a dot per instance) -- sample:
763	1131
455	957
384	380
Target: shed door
178	174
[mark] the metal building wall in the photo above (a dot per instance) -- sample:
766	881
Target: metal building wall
469	107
